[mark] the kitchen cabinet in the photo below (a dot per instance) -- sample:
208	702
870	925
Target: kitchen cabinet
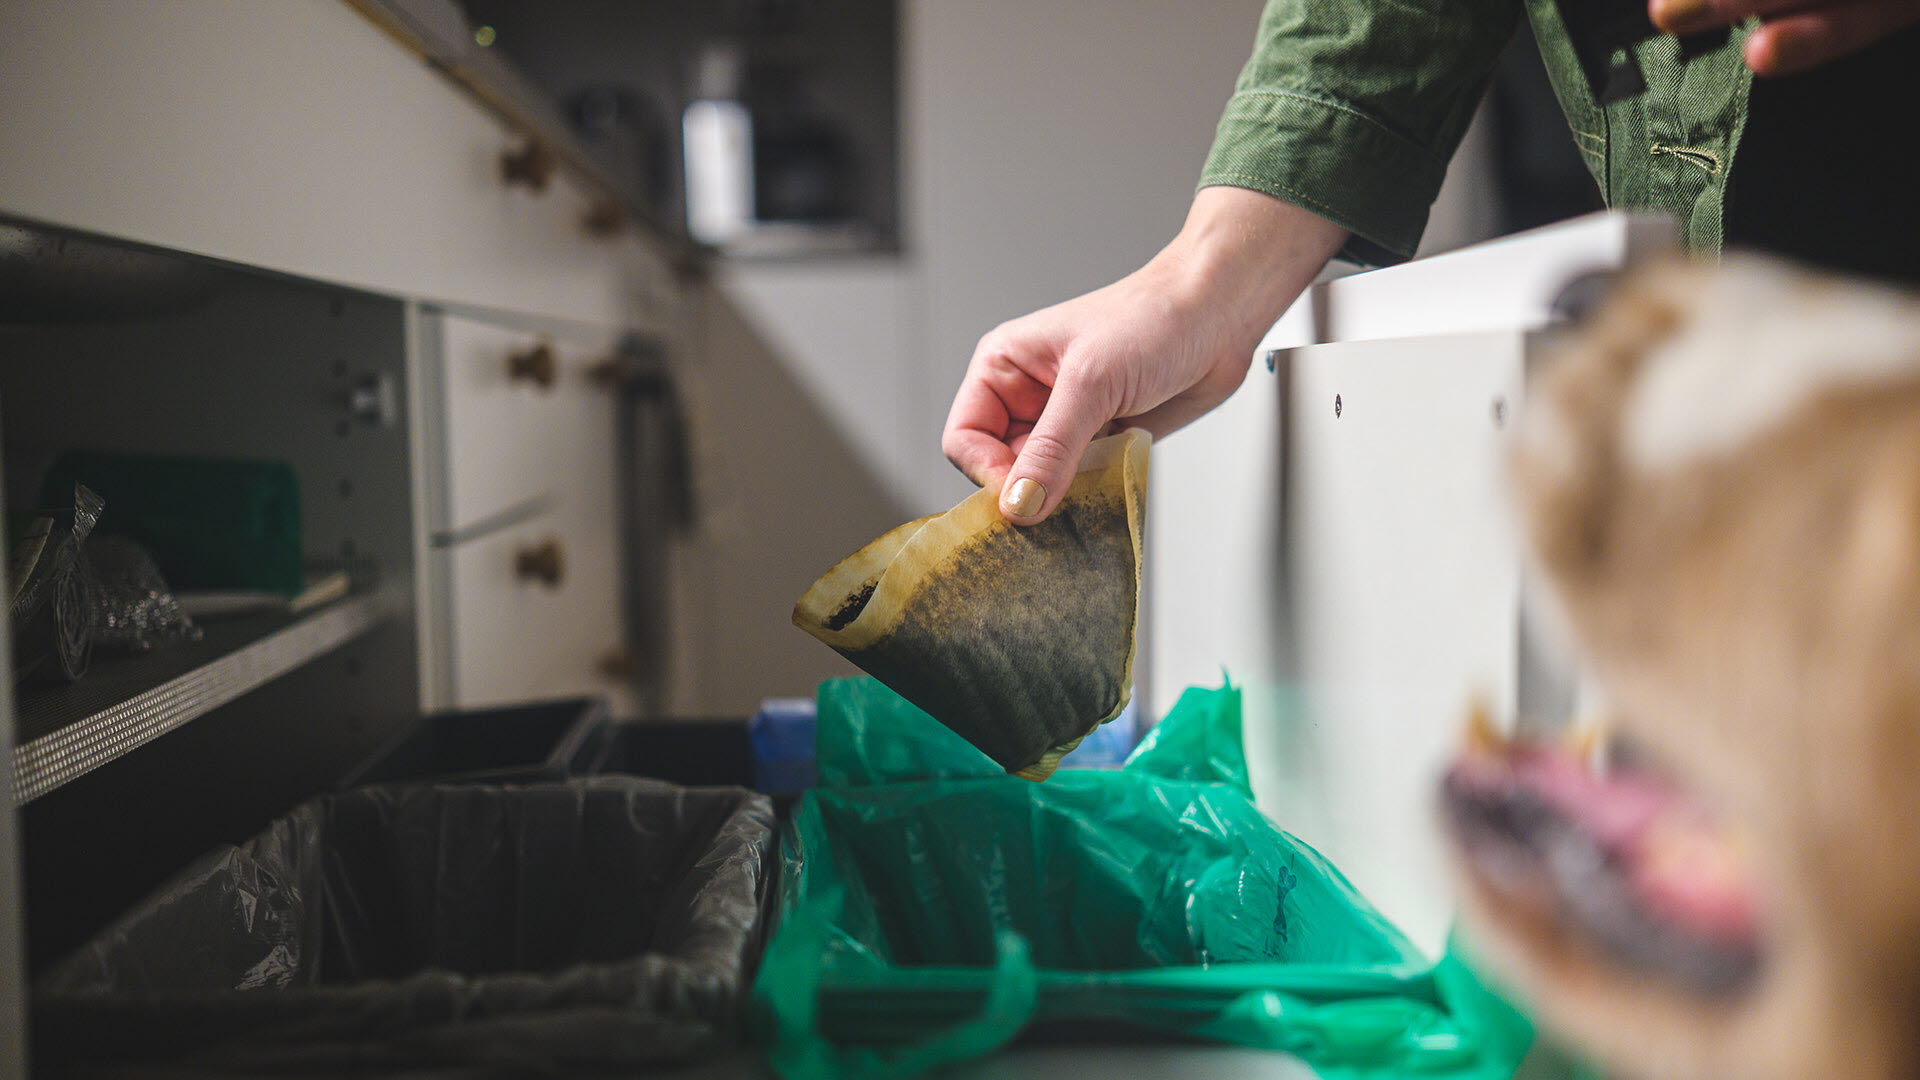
297	138
153	757
271	232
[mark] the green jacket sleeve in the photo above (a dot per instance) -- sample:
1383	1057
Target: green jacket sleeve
1351	108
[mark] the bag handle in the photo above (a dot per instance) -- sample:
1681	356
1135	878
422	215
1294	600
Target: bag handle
800	1050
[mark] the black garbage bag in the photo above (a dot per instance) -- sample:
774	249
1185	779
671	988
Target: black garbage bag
600	923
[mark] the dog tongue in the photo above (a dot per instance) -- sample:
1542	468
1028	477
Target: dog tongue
1688	871
1615	809
1683	868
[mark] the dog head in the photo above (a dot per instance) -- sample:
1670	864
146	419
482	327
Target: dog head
1718	479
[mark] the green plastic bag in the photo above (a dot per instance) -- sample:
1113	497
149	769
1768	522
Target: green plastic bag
934	907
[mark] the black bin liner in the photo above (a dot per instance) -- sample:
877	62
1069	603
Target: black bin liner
600	923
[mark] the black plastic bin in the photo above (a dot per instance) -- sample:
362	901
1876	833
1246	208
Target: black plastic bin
518	744
687	751
606	923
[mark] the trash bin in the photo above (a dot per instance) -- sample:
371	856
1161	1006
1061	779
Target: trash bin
703	750
516	744
934	908
771	751
601	923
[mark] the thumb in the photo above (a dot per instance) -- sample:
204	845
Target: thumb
1044	468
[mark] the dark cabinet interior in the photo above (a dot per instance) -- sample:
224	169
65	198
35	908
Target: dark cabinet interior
153	757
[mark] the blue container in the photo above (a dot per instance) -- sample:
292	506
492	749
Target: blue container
1107	746
781	735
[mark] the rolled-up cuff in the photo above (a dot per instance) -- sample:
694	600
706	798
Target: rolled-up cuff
1333	160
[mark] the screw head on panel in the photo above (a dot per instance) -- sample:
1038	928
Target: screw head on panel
1337	407
374	400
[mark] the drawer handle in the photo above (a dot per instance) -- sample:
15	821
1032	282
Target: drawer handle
606	217
530	165
544	563
537	365
618	664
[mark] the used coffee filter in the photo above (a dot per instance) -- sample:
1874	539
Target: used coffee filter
1018	638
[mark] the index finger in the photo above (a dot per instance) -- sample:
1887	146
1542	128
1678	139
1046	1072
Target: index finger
978	430
1683	17
1732	11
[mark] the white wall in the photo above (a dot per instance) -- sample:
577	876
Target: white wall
1051	147
845	330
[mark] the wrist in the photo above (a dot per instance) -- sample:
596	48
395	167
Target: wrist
1245	256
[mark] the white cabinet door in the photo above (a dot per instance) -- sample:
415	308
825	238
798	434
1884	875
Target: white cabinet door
518	637
1359	583
523	421
296	137
1404	590
1355	572
519	457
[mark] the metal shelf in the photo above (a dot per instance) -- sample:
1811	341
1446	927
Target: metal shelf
62	732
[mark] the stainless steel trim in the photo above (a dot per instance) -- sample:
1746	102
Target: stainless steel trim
78	748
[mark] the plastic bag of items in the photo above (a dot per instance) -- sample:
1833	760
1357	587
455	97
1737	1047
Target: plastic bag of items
49	590
73	590
129	603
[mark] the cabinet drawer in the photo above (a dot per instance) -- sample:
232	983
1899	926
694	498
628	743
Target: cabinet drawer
203	125
535	612
523	420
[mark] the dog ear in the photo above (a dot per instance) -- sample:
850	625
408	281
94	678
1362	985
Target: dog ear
1882	550
1566	467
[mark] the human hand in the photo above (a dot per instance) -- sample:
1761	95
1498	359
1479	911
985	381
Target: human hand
1793	35
1156	349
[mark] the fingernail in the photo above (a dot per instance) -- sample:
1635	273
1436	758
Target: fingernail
1685	16
1024	498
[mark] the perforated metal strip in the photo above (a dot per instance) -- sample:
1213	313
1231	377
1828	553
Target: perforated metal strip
78	748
